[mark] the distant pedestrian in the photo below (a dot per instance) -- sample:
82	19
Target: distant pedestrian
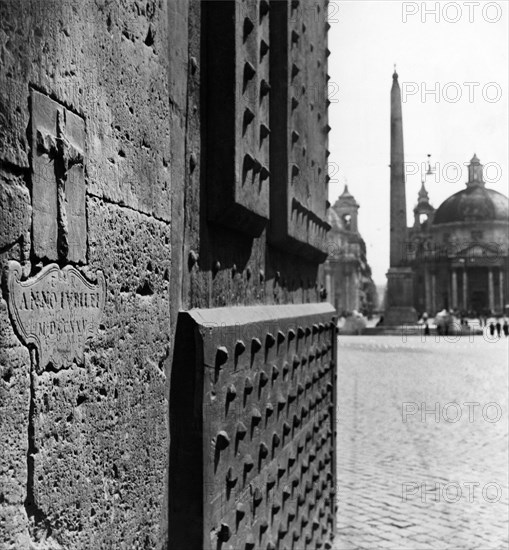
505	328
498	326
426	329
492	328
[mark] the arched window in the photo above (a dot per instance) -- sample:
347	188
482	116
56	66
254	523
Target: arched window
347	221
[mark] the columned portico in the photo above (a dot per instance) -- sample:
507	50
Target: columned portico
427	291
465	289
433	291
491	290
501	288
454	288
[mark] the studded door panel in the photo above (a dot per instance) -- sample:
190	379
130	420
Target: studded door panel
254	427
299	127
237	97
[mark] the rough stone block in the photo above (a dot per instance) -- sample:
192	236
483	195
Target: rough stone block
14	211
14	413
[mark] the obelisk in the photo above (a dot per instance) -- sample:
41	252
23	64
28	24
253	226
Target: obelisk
400	295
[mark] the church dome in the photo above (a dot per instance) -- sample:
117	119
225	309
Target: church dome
475	203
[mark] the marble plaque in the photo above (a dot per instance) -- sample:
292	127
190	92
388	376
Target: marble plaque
56	311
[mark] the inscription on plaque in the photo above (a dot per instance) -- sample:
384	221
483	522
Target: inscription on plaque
56	311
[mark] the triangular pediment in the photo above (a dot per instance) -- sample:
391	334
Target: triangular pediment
478	250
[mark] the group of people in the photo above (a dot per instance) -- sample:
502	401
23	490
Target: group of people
498	327
447	322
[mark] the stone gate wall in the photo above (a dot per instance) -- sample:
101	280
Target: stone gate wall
85	181
116	216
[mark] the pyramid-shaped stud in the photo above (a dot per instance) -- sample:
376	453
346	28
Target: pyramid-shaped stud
248	27
256	417
257	496
221	356
263	379
231	393
264	451
264	8
240	511
240	347
269	340
256	345
264	131
231	478
249	162
249	72
224	533
222	440
264	88
264	48
275	372
241	430
248	117
248	386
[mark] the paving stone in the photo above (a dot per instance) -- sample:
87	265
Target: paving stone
378	452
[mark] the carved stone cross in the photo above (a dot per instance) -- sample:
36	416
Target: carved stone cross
58	183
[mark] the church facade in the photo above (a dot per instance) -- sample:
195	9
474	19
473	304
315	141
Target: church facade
348	278
459	251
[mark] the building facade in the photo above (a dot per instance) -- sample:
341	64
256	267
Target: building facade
459	252
349	284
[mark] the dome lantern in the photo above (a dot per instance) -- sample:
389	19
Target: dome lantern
475	176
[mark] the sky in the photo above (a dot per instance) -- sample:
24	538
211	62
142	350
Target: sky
464	42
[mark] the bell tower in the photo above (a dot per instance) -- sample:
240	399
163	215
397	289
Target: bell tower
347	209
423	211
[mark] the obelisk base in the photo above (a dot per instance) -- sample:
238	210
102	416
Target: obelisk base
400	296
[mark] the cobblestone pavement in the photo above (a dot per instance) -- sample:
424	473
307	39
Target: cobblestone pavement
410	480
